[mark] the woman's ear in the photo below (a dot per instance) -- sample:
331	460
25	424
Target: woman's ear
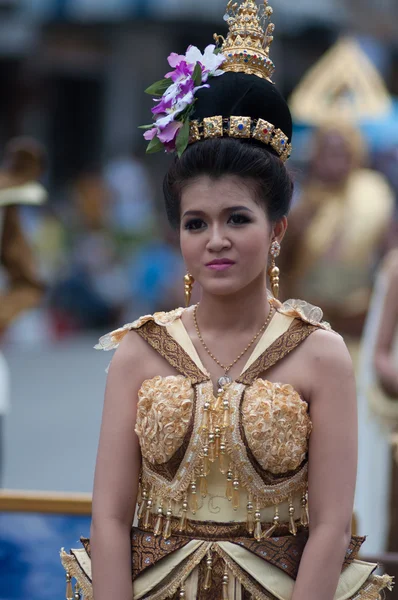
279	230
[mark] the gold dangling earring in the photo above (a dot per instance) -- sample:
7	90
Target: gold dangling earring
188	284
273	271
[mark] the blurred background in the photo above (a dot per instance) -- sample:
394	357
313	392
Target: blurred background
72	76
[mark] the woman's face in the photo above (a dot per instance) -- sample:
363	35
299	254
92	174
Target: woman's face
225	235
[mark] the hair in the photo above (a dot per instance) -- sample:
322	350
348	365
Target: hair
261	170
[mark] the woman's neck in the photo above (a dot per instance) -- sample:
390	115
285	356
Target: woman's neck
241	311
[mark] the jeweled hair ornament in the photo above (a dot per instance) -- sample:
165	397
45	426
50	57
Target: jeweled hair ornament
225	92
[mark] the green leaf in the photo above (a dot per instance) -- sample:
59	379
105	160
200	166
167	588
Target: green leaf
187	112
217	50
154	145
197	75
182	138
159	87
145	126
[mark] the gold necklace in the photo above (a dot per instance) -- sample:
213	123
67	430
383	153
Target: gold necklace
222	381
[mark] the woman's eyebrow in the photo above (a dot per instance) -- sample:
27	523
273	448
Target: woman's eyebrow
197	213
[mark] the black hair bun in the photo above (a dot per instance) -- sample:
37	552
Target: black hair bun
242	95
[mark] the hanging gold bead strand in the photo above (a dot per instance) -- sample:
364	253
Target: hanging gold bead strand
292	523
188	285
209	569
274	271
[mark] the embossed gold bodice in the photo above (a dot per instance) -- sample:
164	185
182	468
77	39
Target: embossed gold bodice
239	455
222	504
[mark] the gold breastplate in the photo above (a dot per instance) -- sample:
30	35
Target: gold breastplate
247	447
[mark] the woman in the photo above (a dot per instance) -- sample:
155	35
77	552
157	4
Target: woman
223	396
20	286
379	370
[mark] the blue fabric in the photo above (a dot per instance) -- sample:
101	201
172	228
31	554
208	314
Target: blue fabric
30	567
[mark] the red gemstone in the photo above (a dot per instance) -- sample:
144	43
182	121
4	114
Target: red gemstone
265	131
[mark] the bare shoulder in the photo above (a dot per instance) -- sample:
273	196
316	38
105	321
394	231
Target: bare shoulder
131	357
327	364
327	349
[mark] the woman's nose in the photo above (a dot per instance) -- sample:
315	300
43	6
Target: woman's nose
218	241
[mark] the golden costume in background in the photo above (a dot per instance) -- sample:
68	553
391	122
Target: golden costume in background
344	209
21	287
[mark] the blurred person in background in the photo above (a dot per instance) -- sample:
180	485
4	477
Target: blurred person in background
219	460
344	210
154	273
20	286
380	377
131	211
337	233
92	290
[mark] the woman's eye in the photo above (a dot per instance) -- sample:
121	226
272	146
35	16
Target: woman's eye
239	219
194	224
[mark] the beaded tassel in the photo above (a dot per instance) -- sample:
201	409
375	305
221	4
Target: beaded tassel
226	417
148	511
223	455
77	595
304	511
258	534
69	590
203	485
212	447
139	493
183	519
205	461
229	490
250	516
142	506
275	525
209	569
235	493
292	523
167	525
159	521
225	583
206	419
181	593
193	502
217	441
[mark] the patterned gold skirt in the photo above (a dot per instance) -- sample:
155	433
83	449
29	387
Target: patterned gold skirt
212	561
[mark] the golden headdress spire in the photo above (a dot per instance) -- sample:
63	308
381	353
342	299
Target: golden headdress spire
249	39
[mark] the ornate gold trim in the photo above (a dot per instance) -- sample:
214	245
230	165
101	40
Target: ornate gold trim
286	343
241	127
180	574
72	567
159	338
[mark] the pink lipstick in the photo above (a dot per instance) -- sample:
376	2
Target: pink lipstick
220	264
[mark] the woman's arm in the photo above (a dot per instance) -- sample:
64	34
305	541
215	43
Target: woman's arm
332	466
386	369
116	475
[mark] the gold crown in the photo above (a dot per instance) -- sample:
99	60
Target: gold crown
249	39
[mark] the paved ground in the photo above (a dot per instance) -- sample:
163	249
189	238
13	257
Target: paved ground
52	431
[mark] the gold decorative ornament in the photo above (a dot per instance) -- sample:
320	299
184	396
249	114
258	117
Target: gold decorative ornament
342	87
274	271
241	127
188	285
248	42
